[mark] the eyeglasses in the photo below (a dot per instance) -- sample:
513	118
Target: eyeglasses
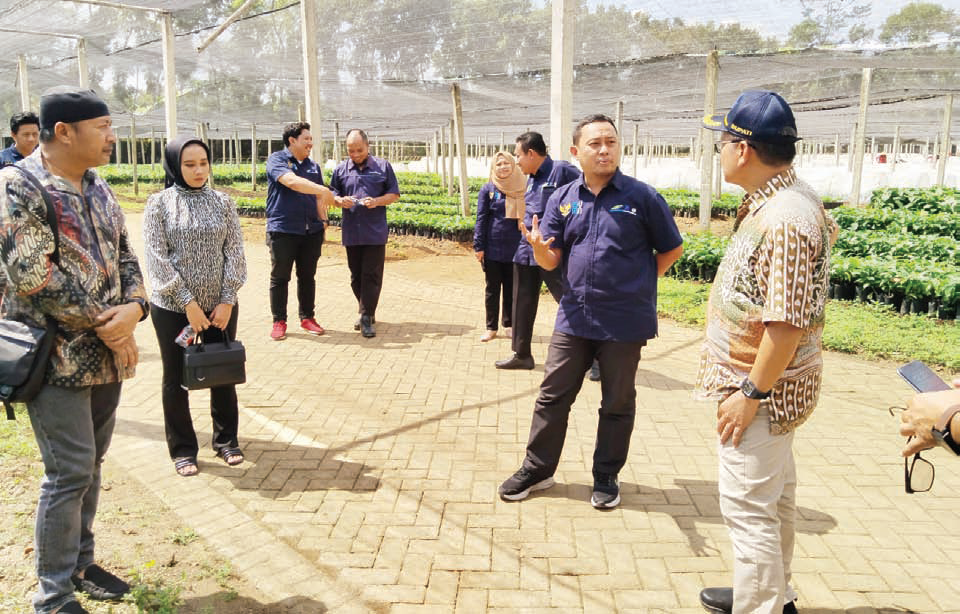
918	472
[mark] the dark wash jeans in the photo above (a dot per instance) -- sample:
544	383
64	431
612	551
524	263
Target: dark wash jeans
73	428
286	250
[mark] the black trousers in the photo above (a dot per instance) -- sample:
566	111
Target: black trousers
177	423
499	277
526	300
366	275
285	250
568	359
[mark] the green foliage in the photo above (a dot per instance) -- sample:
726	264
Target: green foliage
918	22
928	200
184	536
16	436
151	596
701	256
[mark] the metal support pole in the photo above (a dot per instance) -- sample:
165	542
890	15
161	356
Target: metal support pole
561	77
24	82
896	148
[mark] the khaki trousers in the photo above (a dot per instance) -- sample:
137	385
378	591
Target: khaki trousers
758	483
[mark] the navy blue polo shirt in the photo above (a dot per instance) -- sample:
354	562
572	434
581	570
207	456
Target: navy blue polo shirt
609	242
375	177
494	234
10	155
540	186
288	210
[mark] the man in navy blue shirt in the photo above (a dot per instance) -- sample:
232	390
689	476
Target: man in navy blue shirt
25	130
546	175
297	204
365	185
613	236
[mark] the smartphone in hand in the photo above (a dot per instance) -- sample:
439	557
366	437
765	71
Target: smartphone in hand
922	377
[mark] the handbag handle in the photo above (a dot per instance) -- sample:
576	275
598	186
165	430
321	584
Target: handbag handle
200	342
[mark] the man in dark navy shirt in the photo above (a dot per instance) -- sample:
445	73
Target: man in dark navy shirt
25	130
613	236
297	204
365	185
546	175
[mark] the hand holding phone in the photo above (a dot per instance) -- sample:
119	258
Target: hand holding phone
922	377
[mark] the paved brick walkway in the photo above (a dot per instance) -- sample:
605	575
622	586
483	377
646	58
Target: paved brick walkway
372	468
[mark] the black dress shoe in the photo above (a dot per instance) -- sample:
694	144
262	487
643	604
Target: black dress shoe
515	362
366	327
720	601
356	325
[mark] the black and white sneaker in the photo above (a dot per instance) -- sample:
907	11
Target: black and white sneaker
521	484
606	491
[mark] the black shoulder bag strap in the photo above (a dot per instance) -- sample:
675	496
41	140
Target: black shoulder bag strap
55	256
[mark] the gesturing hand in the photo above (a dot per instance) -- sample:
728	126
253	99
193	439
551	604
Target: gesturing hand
535	238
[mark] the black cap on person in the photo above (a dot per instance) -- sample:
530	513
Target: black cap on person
757	115
68	104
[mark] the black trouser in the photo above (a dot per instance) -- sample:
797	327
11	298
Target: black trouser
568	358
526	299
181	438
499	276
285	250
366	275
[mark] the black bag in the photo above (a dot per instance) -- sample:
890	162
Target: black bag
211	365
25	350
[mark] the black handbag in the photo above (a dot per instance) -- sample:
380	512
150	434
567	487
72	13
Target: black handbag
211	365
25	350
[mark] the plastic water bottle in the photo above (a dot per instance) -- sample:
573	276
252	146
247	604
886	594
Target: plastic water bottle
186	336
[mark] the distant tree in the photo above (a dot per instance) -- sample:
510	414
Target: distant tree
917	23
859	33
825	21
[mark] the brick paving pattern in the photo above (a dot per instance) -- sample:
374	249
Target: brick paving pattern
372	468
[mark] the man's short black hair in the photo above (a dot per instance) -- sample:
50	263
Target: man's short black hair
775	154
363	135
293	130
20	119
590	119
534	141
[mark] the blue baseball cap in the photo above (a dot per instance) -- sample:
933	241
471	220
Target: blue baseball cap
757	115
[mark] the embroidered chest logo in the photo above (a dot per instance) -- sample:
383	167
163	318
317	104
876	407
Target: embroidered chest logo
623	209
568	208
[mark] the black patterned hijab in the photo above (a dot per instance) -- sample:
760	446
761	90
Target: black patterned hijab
171	160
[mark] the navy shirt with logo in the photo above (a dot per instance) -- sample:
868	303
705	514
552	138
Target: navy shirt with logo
10	155
361	225
609	242
288	210
540	187
494	235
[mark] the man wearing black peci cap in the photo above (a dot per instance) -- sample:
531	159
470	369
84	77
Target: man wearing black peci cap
761	360
95	293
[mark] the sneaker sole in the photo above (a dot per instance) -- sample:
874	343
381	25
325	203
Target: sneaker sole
712	609
523	494
278	338
600	506
311	332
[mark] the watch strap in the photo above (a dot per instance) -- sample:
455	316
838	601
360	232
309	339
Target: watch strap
943	424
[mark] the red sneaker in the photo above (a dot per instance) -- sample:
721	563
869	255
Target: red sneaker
310	325
279	331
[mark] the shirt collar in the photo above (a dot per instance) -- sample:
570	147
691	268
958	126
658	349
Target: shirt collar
546	167
618	181
351	165
780	181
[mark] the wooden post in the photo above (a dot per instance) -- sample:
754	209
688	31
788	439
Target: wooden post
860	142
946	141
836	149
336	142
896	149
153	148
458	118
619	120
636	137
706	140
133	153
450	158
253	157
443	159
851	148
563	30
436	154
24	80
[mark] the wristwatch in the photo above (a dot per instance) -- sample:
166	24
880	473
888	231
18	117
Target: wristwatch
144	307
750	391
941	430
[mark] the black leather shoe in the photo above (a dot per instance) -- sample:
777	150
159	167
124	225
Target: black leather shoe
720	601
356	325
515	362
366	327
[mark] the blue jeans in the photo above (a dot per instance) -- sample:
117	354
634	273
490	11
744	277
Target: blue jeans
73	428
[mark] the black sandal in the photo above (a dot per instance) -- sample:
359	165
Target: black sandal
183	465
231	456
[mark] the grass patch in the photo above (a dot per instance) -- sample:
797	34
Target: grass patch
151	594
16	436
868	330
184	536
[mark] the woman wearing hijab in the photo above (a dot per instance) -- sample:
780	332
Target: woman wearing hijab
195	265
496	236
